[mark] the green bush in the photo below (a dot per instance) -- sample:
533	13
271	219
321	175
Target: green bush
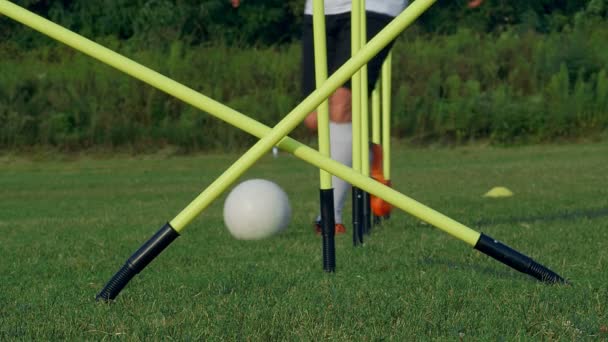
512	87
508	88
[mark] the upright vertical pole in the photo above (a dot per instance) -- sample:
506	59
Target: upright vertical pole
376	113
326	193
387	75
356	122
376	127
365	207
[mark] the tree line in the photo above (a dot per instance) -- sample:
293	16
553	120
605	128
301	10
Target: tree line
267	22
507	72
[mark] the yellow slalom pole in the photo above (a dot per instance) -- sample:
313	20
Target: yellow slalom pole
320	47
378	208
364	206
386	115
364	98
326	192
381	132
376	113
357	6
356	84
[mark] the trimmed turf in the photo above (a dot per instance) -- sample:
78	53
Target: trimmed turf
67	225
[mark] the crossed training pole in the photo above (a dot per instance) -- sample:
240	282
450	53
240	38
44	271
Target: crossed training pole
269	138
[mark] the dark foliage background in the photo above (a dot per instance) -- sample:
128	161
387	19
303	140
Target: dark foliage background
508	72
275	21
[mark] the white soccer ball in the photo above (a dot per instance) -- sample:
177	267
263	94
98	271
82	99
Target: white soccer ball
256	209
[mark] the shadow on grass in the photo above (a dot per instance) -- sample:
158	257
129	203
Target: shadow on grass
567	216
497	270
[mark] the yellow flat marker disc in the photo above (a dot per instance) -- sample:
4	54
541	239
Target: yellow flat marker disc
498	191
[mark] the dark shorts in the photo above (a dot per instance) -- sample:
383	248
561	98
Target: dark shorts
339	48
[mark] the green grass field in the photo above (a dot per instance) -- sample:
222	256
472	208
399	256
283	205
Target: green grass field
67	224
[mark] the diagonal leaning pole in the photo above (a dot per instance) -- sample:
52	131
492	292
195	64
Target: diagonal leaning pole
269	138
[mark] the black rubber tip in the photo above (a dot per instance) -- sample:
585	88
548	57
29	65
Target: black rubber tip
517	260
367	213
137	262
357	214
116	284
328	229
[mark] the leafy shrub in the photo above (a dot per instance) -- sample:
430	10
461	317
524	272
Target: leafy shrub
510	87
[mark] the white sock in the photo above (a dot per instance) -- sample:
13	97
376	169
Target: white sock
341	149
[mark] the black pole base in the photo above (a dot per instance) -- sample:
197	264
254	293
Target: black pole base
137	262
367	213
328	230
357	214
516	260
